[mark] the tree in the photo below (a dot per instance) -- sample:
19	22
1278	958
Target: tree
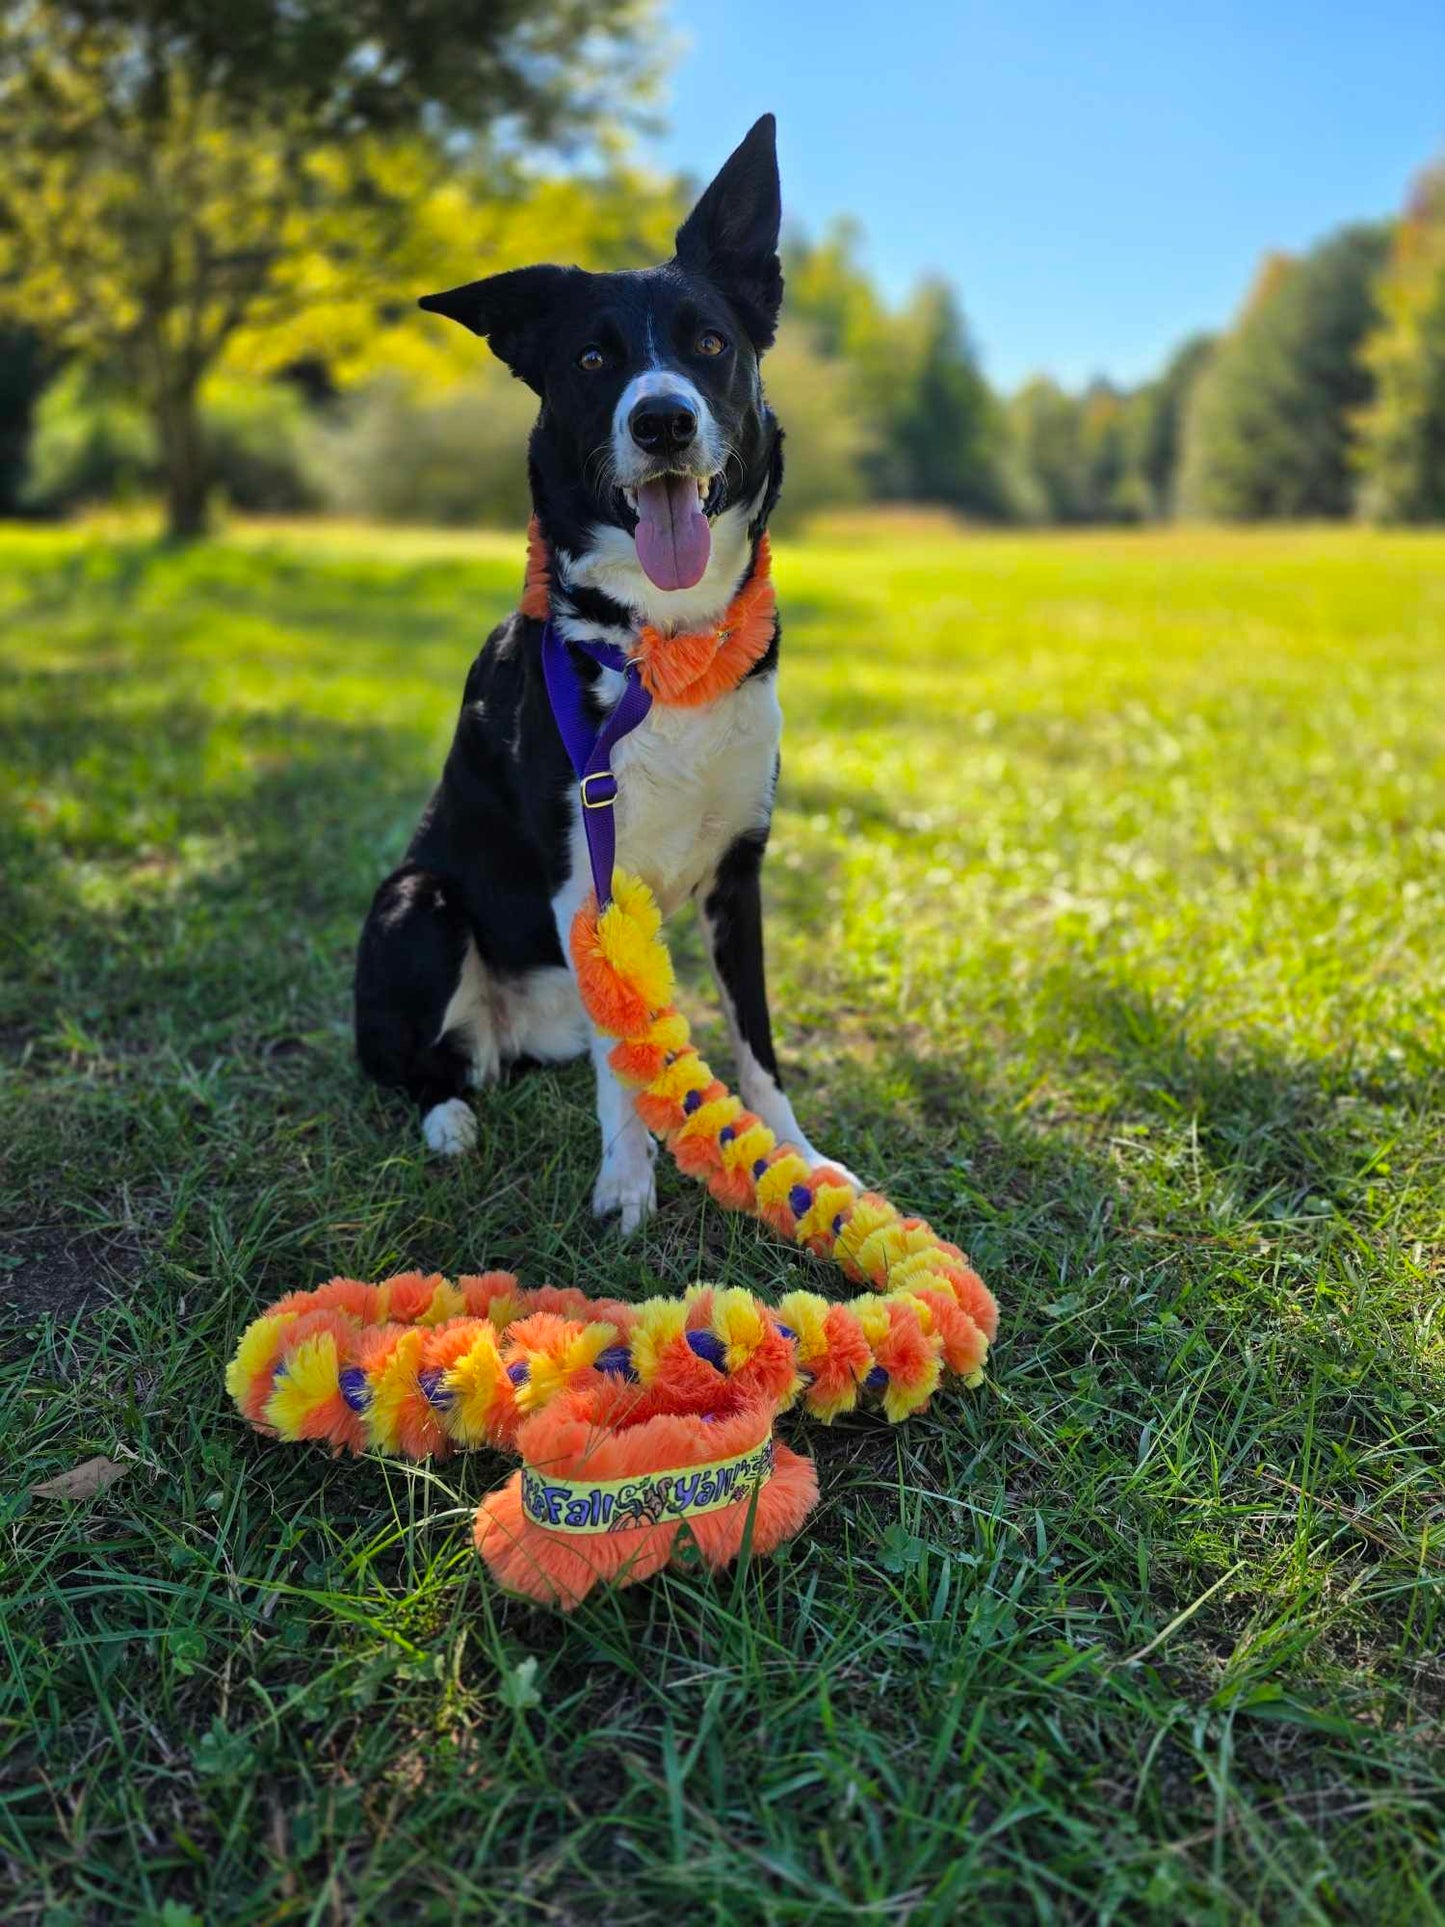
177	169
1104	453
1270	425
1157	426
1107	455
932	427
1047	432
829	289
841	320
1402	433
945	424
828	440
22	375
320	319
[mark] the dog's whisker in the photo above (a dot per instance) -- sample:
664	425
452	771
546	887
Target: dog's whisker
732	457
599	471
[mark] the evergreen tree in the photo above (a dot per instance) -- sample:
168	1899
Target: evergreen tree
1269	429
944	427
1046	429
1157	425
930	427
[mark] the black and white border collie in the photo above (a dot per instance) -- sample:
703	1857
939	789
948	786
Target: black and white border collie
654	463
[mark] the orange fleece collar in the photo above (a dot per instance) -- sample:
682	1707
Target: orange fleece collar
697	667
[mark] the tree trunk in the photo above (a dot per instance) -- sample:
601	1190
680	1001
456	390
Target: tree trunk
187	466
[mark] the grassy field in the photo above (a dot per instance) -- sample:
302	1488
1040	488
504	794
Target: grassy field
1107	929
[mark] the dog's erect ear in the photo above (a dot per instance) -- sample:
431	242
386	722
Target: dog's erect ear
732	234
512	310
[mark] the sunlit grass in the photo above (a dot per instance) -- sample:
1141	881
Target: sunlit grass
1107	894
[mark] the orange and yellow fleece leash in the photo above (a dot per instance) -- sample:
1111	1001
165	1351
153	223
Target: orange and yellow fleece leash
633	1421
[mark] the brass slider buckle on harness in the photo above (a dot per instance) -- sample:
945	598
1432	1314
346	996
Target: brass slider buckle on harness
590	802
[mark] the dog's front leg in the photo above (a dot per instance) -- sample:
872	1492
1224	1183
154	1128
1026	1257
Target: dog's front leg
625	1180
731	907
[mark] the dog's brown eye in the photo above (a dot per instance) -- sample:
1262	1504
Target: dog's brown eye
710	342
590	360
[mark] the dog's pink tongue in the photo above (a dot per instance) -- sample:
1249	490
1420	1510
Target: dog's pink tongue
673	538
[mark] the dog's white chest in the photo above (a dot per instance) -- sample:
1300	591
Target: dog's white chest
691	781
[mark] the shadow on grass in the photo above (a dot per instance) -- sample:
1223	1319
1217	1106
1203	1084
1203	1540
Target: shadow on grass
184	894
186	930
380	598
105	571
1033	1643
151	819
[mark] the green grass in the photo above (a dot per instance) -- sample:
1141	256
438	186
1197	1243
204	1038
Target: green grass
1107	929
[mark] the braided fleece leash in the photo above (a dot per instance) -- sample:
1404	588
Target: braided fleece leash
633	1421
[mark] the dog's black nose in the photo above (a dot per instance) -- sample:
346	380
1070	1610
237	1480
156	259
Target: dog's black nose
663	424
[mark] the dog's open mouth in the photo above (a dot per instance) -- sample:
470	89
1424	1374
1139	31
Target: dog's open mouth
673	538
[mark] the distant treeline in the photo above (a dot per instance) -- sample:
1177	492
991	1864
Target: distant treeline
1325	398
218	325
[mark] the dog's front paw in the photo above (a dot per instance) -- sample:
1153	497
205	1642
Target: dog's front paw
626	1183
450	1129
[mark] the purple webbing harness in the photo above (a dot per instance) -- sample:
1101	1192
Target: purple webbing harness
589	749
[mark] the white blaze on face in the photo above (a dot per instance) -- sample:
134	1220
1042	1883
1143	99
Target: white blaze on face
629	462
673	540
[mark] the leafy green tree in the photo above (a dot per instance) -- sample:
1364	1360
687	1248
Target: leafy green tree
1047	434
1269	430
399	451
829	289
1073	458
1157	425
946	426
931	427
176	171
1070	453
845	323
1402	433
86	448
1104	452
91	443
828	440
322	318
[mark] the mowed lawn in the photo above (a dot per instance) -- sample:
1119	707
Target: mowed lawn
1107	930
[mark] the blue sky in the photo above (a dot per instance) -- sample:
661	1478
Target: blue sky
1098	180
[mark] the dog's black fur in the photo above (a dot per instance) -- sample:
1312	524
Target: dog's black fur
496	846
